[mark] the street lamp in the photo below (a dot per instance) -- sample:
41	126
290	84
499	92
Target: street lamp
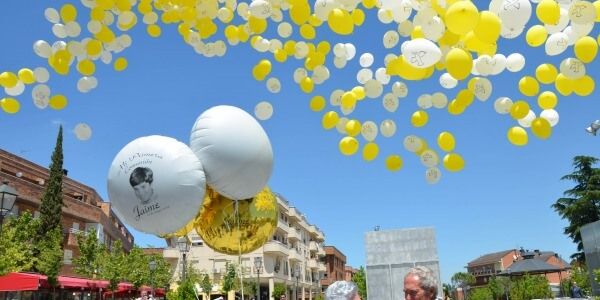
184	247
152	267
257	268
297	275
8	196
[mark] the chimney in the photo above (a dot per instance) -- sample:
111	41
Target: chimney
65	172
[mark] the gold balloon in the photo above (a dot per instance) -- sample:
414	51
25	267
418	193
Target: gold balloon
237	230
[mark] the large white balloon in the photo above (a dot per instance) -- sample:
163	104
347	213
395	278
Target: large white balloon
514	13
421	53
387	128
235	151
156	184
502	105
557	43
551	116
515	62
572	67
447	81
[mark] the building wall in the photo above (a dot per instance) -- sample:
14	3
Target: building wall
84	208
294	243
335	263
349	273
555	278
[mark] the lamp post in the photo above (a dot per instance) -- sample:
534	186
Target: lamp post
184	247
8	196
152	267
297	275
257	268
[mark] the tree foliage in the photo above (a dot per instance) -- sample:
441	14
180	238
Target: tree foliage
580	204
90	252
499	287
112	265
49	261
530	287
230	280
360	279
206	284
279	289
16	244
482	293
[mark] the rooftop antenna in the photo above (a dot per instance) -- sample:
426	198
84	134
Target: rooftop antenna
377	228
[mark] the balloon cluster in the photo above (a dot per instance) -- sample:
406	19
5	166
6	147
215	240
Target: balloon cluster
217	185
451	40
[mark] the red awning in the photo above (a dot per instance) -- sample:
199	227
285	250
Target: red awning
21	282
79	283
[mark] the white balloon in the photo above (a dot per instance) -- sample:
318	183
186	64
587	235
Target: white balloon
502	105
41	96
390	39
156	184
339	62
429	158
421	53
335	99
447	81
152	17
373	88
83	85
434	28
273	85
390	102
366	60
551	116
425	101
582	12
439	100
400	89
106	57
235	151
412	143
515	62
572	67
498	63
299	74
557	43
276	15
284	29
582	29
401	10
364	75
483	89
433	175
52	15
41	74
514	13
322	8
339	50
526	121
73	29
382	76
260	9
341	125
263	110
59	45
350	51
42	49
387	128
405	28
484	65
16	90
83	132
511	32
385	16
369	131
563	21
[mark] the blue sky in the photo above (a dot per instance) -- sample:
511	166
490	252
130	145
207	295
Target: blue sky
501	200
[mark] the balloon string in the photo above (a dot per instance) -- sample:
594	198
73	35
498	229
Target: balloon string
237	218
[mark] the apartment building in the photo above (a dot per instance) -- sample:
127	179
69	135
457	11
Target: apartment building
295	245
84	209
335	262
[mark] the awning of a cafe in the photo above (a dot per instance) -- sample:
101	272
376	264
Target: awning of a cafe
21	282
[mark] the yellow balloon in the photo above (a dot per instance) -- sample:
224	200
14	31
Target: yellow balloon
586	49
536	35
584	86
519	110
419	118
86	67
300	13
348	145
314	21
105	35
340	21
548	12
488	27
597	7
446	141
317	103
26	76
58	102
307	32
546	73
307	85
68	13
330	119
459	63
280	55
417	33
8	79
358	16
231	32
233	227
257	26
359	92
393	163
10	105
528	86
261	70
120	64
461	17
353	127
370	151
93	47
324	47
465	97
368	4
153	30
453	162
541	128
564	85
547	100
517	136
456	108
349	100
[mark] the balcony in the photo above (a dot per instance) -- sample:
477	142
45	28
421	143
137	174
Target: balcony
320	236
294	213
283	225
294	255
171	253
276	248
313	264
293	234
321	252
322	268
313	230
313	246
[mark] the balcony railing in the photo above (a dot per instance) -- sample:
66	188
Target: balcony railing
313	264
293	234
294	213
294	255
276	247
313	246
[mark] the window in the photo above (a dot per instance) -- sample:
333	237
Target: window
75	225
67	256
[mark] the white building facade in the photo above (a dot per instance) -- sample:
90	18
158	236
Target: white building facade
296	244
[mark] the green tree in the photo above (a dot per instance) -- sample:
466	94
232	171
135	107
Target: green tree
249	288
50	214
279	289
360	279
499	287
448	290
112	265
90	252
206	285
581	203
161	277
230	280
462	280
482	293
579	274
16	244
530	287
